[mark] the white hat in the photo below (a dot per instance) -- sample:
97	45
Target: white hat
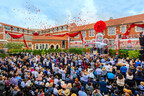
47	84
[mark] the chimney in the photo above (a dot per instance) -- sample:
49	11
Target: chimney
111	18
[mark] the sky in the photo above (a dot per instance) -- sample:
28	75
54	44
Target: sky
42	14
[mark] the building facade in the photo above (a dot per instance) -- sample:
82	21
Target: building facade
44	40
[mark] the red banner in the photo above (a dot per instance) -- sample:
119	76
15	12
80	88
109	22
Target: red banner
17	36
131	26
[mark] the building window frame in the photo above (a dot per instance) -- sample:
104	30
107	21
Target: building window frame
141	29
110	29
8	28
83	33
91	33
123	30
15	29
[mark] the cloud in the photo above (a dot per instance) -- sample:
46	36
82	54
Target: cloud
89	12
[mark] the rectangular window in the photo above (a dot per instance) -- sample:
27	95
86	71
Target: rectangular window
36	46
64	28
60	29
30	32
0	26
123	29
111	30
83	33
21	30
91	32
46	46
55	29
51	30
139	29
63	44
8	36
8	28
40	46
25	31
14	29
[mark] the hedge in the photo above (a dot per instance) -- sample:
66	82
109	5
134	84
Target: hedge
122	53
44	51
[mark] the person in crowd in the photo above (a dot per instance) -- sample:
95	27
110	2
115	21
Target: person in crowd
66	74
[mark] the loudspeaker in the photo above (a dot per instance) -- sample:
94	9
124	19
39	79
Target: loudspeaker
141	40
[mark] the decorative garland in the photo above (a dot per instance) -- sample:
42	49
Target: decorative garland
17	36
131	26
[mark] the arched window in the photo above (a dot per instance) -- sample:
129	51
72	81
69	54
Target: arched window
57	46
52	46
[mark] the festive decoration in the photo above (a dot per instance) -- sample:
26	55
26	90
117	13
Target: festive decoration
17	36
100	26
75	42
131	26
36	34
129	41
121	53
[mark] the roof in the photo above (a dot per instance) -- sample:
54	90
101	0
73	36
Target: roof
48	38
15	26
112	22
71	24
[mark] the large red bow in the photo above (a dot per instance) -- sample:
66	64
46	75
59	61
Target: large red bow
100	26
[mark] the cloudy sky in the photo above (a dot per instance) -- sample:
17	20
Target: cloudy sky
50	13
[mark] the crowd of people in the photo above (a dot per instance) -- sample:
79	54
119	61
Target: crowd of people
63	74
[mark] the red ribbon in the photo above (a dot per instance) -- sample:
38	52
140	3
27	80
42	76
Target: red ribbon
69	34
131	26
17	36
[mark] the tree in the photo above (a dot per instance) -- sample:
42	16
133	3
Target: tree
12	45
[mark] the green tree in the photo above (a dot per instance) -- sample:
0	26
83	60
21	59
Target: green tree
12	45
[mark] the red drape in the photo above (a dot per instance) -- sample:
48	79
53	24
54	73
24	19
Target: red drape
17	36
131	26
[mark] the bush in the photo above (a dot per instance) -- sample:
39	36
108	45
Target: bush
123	53
11	45
133	53
112	52
3	55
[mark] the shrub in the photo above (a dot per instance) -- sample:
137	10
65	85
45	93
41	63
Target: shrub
11	45
133	53
112	52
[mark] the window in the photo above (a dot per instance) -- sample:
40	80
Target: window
0	26
139	29
55	29
29	45
77	36
30	32
21	30
40	46
83	33
63	44
46	46
14	29
51	30
123	29
111	30
8	36
36	46
60	29
25	31
7	27
65	28
91	32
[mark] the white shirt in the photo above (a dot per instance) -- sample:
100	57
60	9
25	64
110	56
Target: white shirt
56	81
55	92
